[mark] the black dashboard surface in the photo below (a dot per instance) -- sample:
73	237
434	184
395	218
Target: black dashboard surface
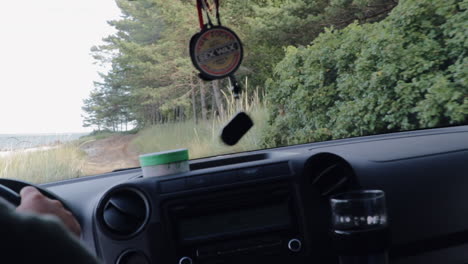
423	173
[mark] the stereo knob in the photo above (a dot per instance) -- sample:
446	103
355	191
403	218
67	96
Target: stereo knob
185	260
295	245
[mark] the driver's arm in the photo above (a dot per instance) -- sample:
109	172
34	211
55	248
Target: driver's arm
40	231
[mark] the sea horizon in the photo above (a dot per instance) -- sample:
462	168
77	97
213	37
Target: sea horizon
41	133
14	141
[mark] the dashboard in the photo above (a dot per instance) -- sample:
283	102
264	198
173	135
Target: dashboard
272	205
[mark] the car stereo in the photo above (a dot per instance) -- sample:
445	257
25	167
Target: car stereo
241	225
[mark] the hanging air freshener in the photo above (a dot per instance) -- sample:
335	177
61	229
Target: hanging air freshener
216	51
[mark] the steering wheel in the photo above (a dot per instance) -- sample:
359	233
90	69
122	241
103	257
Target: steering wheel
10	189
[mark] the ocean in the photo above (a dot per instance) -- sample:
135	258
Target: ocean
10	142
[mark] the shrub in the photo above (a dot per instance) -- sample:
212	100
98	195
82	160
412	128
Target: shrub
408	71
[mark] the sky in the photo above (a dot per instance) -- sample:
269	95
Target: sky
46	69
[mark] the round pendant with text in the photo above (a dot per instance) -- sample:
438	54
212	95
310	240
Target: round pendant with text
216	52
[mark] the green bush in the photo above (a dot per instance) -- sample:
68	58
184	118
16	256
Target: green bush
408	71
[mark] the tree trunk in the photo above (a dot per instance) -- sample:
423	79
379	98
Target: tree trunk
181	113
159	117
194	102
218	98
153	114
213	106
202	98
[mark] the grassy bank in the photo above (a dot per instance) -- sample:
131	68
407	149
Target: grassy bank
203	138
63	162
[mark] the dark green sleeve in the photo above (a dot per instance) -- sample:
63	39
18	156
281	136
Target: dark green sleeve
29	238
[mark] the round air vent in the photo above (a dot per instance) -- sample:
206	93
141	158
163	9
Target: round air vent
123	212
133	257
330	174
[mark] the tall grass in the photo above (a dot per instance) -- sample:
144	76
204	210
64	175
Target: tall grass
62	162
203	138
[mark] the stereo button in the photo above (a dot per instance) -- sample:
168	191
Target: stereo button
206	252
295	245
185	260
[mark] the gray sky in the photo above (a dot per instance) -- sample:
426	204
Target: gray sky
45	65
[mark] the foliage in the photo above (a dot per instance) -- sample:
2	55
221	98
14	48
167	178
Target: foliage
150	77
97	135
274	24
408	71
150	70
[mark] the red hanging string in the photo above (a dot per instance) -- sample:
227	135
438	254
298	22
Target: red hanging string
200	14
205	4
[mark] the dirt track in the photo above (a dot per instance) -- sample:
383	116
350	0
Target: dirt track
109	154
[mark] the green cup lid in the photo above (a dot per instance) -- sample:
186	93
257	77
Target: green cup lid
165	157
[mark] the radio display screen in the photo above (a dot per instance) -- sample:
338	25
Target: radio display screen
234	221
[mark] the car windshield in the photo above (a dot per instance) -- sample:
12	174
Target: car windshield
88	86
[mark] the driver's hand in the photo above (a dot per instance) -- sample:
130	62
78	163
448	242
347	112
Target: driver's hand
34	201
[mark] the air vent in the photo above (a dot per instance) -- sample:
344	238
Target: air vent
123	212
133	257
330	174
